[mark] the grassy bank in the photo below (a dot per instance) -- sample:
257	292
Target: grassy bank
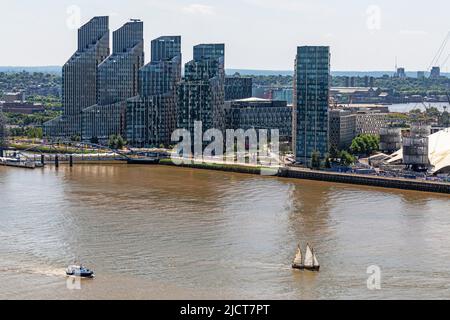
49	150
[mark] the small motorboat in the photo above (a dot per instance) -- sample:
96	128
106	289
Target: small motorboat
79	271
309	262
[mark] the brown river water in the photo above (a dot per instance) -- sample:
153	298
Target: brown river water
156	232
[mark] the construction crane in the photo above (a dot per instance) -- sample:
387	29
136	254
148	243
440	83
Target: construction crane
444	63
437	57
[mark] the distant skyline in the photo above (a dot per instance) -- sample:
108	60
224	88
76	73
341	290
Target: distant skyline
259	34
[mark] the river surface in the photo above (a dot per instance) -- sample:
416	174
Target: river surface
156	232
407	107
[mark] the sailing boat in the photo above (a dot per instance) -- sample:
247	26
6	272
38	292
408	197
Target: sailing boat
310	261
298	261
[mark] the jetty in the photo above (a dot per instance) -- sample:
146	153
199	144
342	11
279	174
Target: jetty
18	163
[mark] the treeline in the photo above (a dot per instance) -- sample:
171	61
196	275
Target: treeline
407	86
35	119
21	81
2	129
275	81
29	132
49	102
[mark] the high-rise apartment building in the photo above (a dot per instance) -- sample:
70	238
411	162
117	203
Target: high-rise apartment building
151	117
257	113
79	78
310	110
118	80
237	87
201	95
118	75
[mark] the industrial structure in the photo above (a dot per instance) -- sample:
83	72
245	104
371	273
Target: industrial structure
415	148
433	153
390	139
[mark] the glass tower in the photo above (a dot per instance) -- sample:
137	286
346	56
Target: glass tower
311	93
118	74
151	117
79	78
201	95
118	80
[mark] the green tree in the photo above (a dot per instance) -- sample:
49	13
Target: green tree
365	144
112	142
120	142
315	160
2	129
116	142
334	152
444	119
346	158
433	112
75	138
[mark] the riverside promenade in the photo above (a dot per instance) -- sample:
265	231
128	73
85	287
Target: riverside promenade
308	174
368	180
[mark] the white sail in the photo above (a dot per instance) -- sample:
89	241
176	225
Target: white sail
316	262
298	257
309	257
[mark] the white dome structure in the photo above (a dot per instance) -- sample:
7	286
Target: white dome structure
438	152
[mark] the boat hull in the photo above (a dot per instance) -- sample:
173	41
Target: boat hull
143	161
316	268
302	267
81	274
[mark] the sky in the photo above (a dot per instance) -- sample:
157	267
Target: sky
258	34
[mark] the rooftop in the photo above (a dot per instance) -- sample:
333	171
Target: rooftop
349	90
254	99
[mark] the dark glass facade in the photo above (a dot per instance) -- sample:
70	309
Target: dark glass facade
80	74
255	113
201	95
151	117
166	48
118	80
237	87
118	74
311	94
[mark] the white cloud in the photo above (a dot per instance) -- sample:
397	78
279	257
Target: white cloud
196	8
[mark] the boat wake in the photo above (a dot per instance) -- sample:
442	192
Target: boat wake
45	271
